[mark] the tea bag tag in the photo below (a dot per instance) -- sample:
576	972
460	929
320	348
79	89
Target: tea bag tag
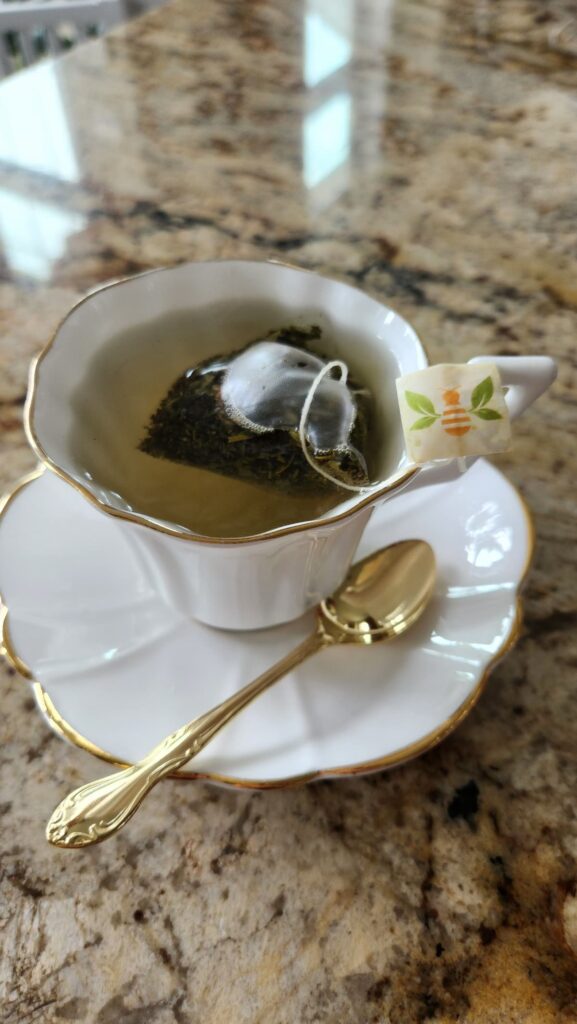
452	411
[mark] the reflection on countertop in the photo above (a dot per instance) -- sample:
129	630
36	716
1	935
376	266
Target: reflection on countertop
424	150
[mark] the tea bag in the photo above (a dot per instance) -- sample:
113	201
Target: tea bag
266	386
271	413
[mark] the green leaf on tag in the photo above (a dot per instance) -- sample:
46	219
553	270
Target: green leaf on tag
482	394
426	421
487	414
420	403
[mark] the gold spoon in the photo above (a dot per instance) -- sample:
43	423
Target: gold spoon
381	597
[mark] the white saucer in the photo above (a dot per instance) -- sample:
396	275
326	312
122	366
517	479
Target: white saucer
117	667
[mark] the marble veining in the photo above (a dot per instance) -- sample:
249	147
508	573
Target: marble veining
425	150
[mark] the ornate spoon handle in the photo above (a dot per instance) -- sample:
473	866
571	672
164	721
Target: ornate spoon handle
97	810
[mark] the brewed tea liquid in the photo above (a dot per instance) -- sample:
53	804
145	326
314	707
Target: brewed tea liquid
125	384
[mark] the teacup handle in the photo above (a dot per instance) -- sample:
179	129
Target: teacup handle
525	377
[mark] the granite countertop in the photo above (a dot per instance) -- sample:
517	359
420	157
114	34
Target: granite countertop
424	150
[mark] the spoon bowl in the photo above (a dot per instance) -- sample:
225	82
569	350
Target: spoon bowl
384	594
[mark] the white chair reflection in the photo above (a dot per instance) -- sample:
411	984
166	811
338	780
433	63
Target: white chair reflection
30	30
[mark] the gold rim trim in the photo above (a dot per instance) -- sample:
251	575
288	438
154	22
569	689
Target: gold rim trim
398	757
6	646
134	517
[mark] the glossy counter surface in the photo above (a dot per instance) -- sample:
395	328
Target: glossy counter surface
425	151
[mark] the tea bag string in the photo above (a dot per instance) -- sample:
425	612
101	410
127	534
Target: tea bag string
334	364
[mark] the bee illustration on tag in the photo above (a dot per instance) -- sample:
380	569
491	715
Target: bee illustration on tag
455	419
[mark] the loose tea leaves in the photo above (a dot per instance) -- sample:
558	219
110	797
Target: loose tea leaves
239	415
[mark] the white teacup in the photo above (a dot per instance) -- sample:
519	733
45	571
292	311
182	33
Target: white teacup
263	580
